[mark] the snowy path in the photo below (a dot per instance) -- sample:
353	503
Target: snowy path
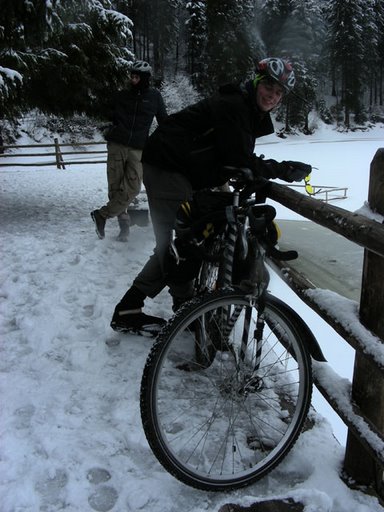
71	430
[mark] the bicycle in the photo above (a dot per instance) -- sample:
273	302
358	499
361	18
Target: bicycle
227	385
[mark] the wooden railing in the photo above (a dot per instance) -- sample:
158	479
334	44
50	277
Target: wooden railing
362	410
60	158
56	156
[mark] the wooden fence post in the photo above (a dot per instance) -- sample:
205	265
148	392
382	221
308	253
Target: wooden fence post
59	156
368	384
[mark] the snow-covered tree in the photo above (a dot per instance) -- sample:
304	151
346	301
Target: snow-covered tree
69	54
379	87
10	86
87	56
156	32
196	39
66	56
294	29
231	46
179	93
297	106
346	40
275	16
23	29
374	30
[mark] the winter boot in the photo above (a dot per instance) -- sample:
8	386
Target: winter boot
99	221
134	321
128	317
124	229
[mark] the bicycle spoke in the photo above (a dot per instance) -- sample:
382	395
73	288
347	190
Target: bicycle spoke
221	423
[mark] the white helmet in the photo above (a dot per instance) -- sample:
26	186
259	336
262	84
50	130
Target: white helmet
140	66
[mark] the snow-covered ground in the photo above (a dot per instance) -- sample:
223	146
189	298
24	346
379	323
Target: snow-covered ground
70	424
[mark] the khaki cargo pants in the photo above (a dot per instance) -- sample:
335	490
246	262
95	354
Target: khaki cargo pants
125	176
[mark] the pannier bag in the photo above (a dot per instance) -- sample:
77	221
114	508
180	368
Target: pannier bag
196	220
203	216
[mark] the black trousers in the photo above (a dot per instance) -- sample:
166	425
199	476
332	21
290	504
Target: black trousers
165	191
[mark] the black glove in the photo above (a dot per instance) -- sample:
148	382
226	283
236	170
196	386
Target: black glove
294	171
286	170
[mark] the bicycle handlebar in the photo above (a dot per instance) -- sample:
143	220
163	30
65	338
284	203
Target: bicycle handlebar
243	176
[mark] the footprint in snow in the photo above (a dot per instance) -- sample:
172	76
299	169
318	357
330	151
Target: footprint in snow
104	497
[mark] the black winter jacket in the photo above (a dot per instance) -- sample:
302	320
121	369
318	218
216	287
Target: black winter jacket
132	115
215	132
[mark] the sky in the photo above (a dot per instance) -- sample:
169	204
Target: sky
71	434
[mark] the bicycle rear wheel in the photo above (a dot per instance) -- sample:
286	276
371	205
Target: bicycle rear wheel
225	425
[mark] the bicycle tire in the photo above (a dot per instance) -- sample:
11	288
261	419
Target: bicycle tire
216	428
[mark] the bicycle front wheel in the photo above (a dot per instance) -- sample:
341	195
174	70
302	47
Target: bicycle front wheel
225	425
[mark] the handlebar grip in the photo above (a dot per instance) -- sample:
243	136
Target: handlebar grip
239	173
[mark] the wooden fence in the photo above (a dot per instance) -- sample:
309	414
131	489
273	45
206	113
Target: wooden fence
56	156
60	158
363	411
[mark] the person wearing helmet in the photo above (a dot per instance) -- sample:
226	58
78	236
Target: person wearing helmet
189	152
132	111
141	67
276	71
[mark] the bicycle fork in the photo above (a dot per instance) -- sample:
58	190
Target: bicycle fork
228	321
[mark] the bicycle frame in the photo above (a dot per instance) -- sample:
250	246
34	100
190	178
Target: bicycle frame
241	226
246	221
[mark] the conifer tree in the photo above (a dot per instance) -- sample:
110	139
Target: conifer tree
297	106
275	14
346	41
231	48
379	82
88	57
374	22
69	54
156	31
23	29
293	29
196	39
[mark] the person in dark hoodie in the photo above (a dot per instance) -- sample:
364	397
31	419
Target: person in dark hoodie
133	110
188	152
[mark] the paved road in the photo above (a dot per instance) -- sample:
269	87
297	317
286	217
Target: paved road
327	259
